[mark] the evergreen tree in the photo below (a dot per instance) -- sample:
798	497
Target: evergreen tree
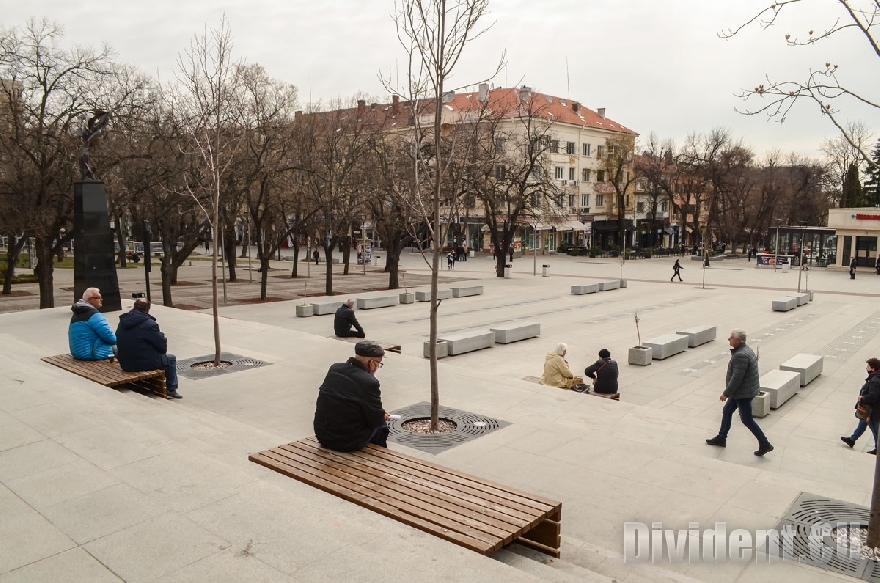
851	196
872	184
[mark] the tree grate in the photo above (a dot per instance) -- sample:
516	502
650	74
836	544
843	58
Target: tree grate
237	363
814	521
468	426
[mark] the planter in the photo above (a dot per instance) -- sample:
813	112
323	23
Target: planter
407	298
760	405
622	282
640	355
305	311
442	349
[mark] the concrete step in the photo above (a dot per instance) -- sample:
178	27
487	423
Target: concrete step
609	563
546	567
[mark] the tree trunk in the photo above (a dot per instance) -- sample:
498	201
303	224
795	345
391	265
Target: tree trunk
328	281
392	252
346	254
264	274
294	271
169	276
120	239
44	272
12	253
229	253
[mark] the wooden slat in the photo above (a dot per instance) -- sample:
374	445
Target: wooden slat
107	373
388	346
463	509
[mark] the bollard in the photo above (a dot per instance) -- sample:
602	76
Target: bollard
544	269
137	295
507	267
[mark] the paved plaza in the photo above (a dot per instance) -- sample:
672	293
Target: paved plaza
104	485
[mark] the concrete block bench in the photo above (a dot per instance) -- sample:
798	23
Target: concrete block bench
667	345
508	332
698	335
784	304
780	386
465	291
442	349
802	298
377	302
425	296
808	366
609	285
468	341
323	308
580	290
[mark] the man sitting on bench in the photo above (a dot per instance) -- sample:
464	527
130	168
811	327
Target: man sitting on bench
345	319
142	346
349	412
89	335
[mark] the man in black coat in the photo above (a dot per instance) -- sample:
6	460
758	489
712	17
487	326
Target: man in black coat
349	412
142	346
345	320
604	373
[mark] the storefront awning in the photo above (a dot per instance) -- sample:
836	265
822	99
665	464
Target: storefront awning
560	226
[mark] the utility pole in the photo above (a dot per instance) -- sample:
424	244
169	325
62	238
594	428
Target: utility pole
145	226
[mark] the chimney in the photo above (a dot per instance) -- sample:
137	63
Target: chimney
395	104
447	97
575	106
601	112
484	92
362	106
297	115
525	93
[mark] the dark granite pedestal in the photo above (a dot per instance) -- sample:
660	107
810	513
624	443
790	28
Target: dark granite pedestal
94	258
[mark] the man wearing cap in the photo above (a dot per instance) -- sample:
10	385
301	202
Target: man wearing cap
349	412
345	319
604	373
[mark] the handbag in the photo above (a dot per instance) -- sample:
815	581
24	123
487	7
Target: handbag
863	412
569	383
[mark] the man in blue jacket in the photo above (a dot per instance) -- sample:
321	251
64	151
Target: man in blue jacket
89	335
142	346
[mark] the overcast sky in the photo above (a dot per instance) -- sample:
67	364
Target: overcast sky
654	65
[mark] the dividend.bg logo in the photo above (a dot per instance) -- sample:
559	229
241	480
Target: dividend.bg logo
715	545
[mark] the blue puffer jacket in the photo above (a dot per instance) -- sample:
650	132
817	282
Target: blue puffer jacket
89	335
141	343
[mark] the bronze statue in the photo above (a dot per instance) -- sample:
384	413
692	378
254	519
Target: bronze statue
91	136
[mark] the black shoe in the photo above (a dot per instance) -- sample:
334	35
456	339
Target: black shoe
764	449
717	440
847	441
873	452
174	395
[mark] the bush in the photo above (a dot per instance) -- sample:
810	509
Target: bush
594	251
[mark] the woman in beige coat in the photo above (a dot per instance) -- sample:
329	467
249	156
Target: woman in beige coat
556	370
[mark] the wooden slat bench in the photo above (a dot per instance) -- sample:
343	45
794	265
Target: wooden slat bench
386	346
460	508
110	374
612	396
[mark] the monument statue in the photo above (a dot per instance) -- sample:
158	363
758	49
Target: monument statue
91	135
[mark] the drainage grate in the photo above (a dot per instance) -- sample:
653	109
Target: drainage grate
237	363
814	521
468	426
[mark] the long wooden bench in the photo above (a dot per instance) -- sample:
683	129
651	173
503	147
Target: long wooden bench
110	374
465	510
387	346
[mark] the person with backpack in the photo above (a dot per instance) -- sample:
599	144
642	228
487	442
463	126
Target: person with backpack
675	271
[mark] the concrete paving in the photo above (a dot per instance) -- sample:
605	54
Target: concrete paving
98	484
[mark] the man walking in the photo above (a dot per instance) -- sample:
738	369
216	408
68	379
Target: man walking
142	346
345	320
742	386
852	268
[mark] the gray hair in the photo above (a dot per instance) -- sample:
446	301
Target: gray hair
561	349
349	302
738	335
90	291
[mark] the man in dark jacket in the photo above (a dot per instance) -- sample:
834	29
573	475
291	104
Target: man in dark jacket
604	373
869	395
142	346
743	384
349	412
344	320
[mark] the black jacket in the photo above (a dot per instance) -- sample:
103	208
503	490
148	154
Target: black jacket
607	377
140	342
344	320
869	394
349	407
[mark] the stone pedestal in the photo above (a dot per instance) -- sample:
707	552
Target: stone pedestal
640	355
407	298
94	259
304	311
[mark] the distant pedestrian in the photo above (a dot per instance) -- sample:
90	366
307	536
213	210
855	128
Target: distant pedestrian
675	271
877	266
316	255
742	386
511	253
869	395
464	251
450	260
852	268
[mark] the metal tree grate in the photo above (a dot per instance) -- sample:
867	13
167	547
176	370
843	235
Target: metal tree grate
236	362
814	521
468	426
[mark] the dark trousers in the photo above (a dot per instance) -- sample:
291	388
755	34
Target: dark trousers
745	415
674	275
352	334
860	429
169	363
378	437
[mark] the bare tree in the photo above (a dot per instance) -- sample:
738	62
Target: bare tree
619	173
841	153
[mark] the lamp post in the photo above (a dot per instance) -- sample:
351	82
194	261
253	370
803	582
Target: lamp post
776	260
534	250
801	258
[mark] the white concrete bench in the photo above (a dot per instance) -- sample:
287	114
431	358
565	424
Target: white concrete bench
667	345
377	302
442	349
780	386
580	290
322	308
508	332
468	341
808	366
462	291
801	298
609	285
698	335
425	296
784	304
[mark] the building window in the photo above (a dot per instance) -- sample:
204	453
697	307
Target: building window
600	176
554	146
585	200
626	201
586	149
570	148
571	198
585	174
600	151
500	172
600	200
640	207
664	206
571	174
559	173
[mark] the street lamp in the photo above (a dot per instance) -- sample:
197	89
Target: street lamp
801	259
776	260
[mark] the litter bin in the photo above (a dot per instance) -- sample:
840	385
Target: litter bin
507	267
471	253
377	261
544	269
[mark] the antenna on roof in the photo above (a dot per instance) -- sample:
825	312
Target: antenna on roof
567	80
